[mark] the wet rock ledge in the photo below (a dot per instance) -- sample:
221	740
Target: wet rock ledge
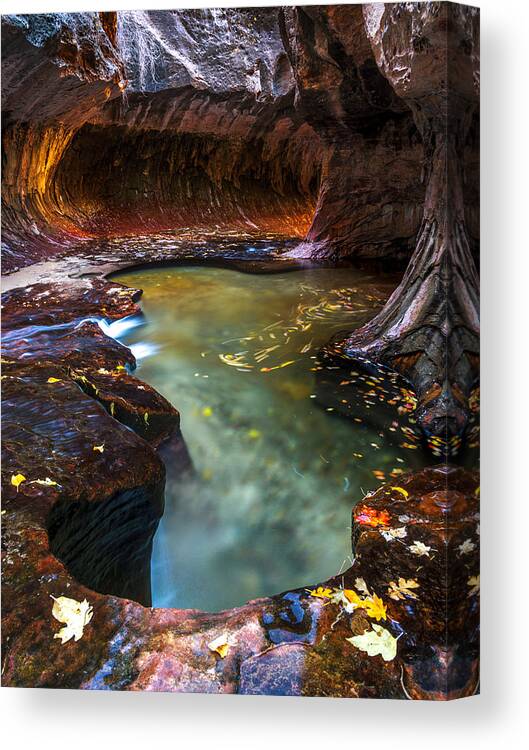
80	524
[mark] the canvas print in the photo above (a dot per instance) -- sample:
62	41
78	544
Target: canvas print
240	350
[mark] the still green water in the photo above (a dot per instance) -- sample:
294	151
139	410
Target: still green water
276	475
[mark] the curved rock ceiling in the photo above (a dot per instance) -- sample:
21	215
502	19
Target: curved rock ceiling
272	122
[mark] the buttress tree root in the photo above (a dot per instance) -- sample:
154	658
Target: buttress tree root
429	328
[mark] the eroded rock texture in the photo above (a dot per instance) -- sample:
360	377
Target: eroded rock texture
177	120
415	547
371	193
352	130
429	329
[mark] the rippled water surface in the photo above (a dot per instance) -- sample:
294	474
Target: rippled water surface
276	474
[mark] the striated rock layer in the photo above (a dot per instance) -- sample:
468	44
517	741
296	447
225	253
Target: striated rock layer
176	120
275	120
352	130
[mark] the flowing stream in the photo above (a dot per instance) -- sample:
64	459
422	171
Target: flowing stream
276	473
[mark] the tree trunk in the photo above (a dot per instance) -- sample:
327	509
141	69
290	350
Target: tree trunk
429	328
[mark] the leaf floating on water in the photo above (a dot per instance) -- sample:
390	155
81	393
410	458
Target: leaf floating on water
146	417
54	380
278	367
402	589
17	479
99	448
220	645
112	408
254	434
377	641
234	361
207	411
75	615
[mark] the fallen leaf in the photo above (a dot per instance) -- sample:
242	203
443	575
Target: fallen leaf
17	479
220	645
391	534
367	516
401	590
377	641
321	592
473	581
254	434
99	448
353	601
54	380
420	549
45	482
375	607
75	615
278	367
401	490
339	597
466	547
207	411
361	586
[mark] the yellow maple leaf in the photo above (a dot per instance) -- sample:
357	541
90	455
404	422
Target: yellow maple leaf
220	645
75	615
17	479
377	641
321	592
375	607
352	597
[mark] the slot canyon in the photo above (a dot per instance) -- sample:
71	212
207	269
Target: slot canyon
303	181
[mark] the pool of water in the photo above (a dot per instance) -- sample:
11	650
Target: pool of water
276	474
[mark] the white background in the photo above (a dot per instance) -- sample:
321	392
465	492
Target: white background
72	720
